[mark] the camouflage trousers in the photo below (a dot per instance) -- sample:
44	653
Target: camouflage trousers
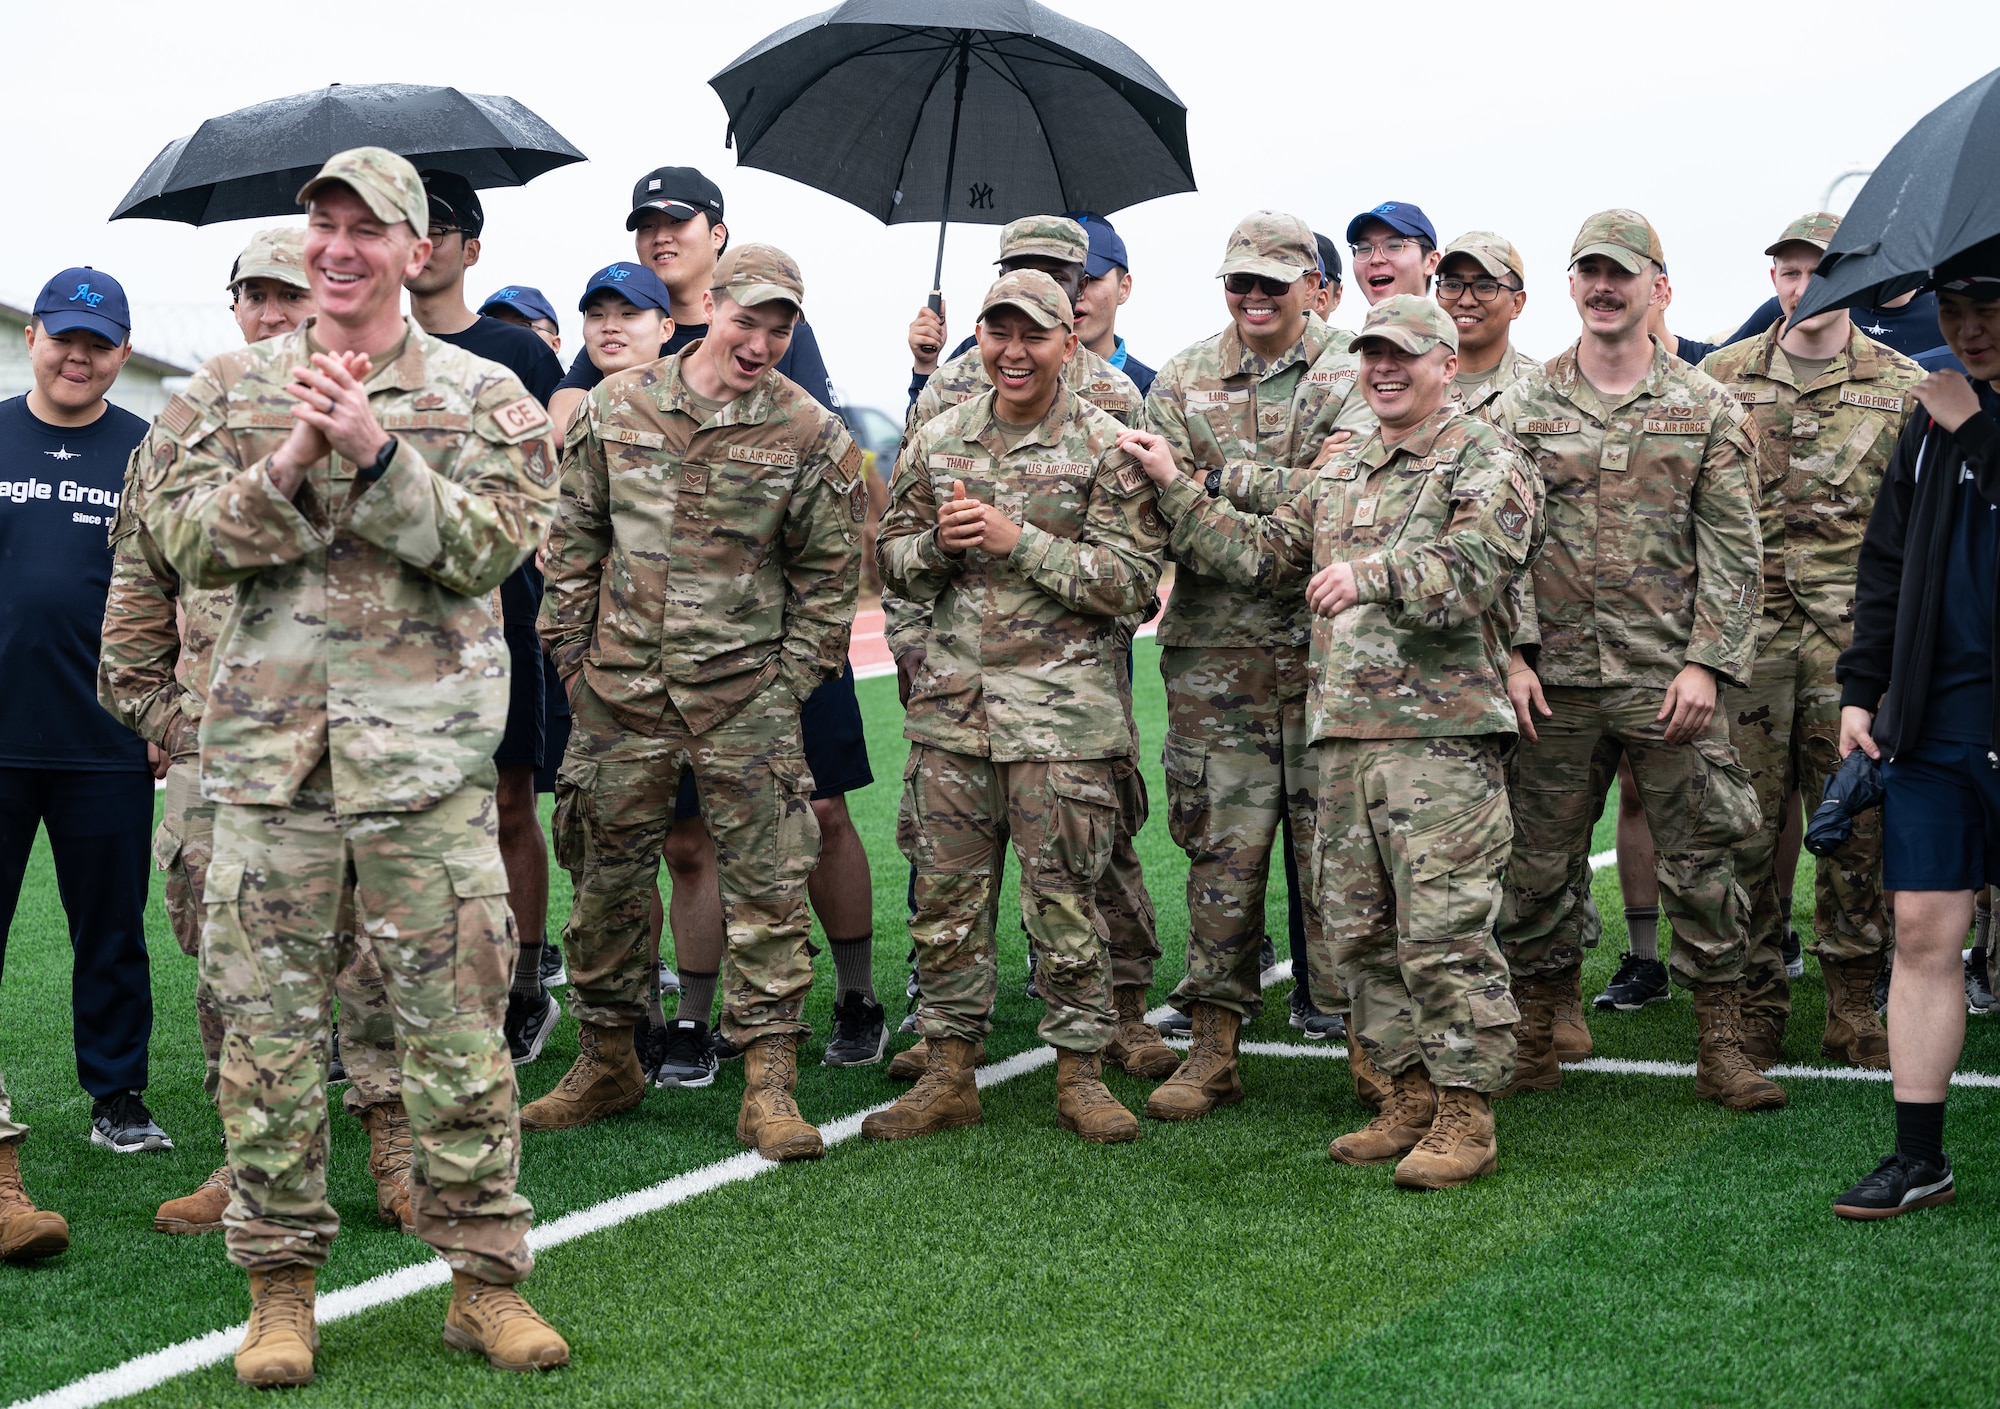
957	816
429	891
1412	840
182	847
615	797
1698	802
9	1130
1122	899
1237	757
1786	728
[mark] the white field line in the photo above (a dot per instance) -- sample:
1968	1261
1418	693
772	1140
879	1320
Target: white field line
1603	859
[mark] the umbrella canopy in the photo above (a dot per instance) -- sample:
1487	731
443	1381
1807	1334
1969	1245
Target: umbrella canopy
1935	195
251	162
973	110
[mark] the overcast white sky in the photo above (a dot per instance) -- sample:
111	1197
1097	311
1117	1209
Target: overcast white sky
1721	121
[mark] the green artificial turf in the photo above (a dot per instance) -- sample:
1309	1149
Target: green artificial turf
1637	1246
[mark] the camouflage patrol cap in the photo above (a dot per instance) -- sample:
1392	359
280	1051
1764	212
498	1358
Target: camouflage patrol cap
754	274
1047	236
1411	322
1272	244
1624	237
1816	229
1493	253
277	253
1035	294
386	182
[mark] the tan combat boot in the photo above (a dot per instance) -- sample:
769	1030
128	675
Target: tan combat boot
911	1064
1723	1072
497	1322
1084	1104
199	1212
946	1098
1459	1147
1208	1078
604	1080
26	1232
1571	1032
282	1339
770	1119
1371	1083
1135	1048
1854	1032
388	1127
1405	1119
1762	1015
1536	1066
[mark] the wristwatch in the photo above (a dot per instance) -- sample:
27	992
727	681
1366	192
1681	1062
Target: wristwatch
380	465
1214	483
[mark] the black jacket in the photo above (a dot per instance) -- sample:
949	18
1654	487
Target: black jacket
1898	595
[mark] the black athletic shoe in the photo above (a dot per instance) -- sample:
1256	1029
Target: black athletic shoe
860	1037
724	1049
1979	1000
1795	962
1176	1025
1637	983
1882	976
121	1122
555	973
1267	955
649	1045
1308	1019
688	1059
336	1069
531	1017
1898	1185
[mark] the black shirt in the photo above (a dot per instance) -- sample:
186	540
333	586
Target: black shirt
59	488
1692	352
1141	375
1960	707
520	350
802	363
1911	330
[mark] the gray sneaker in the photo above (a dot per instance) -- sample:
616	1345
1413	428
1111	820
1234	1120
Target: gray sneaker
1176	1026
689	1059
121	1122
1979	1000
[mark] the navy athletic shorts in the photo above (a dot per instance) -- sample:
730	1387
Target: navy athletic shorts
836	749
555	728
524	742
1940	818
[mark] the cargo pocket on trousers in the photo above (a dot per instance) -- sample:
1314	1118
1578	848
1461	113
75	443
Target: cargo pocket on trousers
1493	1007
1185	761
1455	870
1725	800
228	962
482	963
1082	819
567	830
798	829
166	845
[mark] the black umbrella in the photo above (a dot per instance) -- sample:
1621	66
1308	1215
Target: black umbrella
251	162
974	110
1935	195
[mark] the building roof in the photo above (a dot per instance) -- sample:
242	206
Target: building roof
139	361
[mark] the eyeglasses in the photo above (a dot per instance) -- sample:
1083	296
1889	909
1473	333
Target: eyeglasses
1485	290
438	232
1243	284
1391	247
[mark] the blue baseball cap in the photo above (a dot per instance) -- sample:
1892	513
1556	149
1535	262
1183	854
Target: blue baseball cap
1400	216
1107	250
634	283
85	298
527	301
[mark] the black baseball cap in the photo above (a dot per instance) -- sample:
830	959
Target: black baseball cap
1329	259
681	191
454	204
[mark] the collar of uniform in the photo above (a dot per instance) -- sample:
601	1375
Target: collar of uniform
1417	443
1657	375
1236	359
751	408
404	370
983	422
1864	359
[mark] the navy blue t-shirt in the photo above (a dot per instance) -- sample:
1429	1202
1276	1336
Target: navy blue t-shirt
1911	330
59	488
1959	707
1142	376
520	350
802	363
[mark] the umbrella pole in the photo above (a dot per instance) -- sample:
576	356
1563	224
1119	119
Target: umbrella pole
950	162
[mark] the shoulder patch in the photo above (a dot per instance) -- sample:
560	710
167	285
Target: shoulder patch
1531	425
538	464
155	469
851	462
1851	395
1754	395
1130	479
764	455
1512	518
179	414
520	419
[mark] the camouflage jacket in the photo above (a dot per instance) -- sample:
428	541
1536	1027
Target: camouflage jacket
1822	452
1223	408
1026	653
159	632
1435	527
363	627
695	561
958	381
1651	560
1512	366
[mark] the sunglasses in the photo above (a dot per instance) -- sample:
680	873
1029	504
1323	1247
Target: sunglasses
1242	284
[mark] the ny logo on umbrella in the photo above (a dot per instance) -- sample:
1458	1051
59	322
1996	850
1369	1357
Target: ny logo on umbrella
982	196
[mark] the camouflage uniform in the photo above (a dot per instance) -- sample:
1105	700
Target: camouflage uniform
1019	719
1234	657
358	690
10	1129
702	576
1650	564
1823	450
1409	722
1478	400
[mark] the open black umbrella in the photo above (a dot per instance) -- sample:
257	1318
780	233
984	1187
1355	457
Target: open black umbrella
1935	195
251	162
974	110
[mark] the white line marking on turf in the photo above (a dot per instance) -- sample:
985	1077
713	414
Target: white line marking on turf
1603	859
